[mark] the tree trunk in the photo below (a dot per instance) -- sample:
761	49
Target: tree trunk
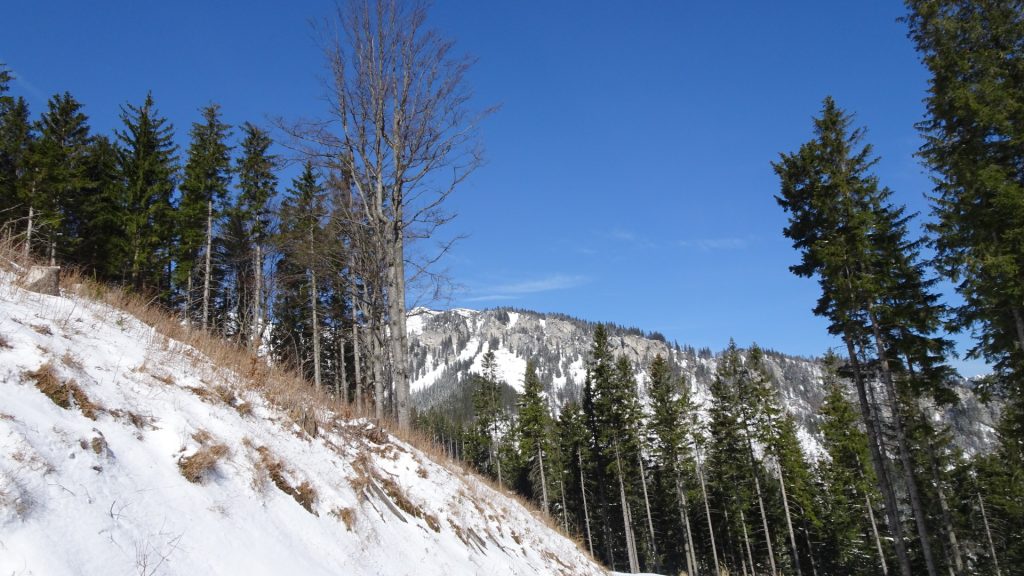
691	561
760	505
1018	322
543	480
208	264
586	512
878	462
399	348
947	521
634	564
874	532
789	523
565	514
707	510
257	300
904	449
647	506
746	541
342	391
988	535
356	372
313	305
28	230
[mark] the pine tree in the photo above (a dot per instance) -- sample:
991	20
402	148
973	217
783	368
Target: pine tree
299	319
851	541
204	191
257	184
850	236
17	177
535	443
101	216
148	168
975	53
488	417
671	425
61	154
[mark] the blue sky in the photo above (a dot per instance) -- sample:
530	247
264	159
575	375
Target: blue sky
628	173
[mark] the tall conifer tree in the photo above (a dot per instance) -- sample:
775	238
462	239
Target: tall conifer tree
148	170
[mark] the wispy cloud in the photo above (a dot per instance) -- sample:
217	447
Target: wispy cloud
711	244
517	290
629	237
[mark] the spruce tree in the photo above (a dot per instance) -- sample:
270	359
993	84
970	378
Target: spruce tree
671	425
257	185
851	542
18	177
535	442
873	293
100	209
298	305
204	191
148	169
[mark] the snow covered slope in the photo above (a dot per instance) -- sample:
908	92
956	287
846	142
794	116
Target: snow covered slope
125	452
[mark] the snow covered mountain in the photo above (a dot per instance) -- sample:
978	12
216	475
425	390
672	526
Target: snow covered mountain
447	346
125	451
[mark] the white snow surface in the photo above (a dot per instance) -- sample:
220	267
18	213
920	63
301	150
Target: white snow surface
106	496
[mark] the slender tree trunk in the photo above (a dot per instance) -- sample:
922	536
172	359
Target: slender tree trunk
207	264
691	561
543	480
565	514
583	494
314	299
957	563
707	510
53	251
634	564
188	300
903	447
988	536
746	540
789	523
760	505
647	506
343	377
356	372
878	462
874	532
28	230
257	299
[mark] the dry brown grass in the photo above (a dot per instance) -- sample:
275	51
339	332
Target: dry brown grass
346	515
64	393
197	467
4	343
305	494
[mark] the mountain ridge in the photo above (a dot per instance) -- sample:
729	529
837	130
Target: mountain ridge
446	346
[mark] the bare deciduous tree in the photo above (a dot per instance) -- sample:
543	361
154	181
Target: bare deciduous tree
402	134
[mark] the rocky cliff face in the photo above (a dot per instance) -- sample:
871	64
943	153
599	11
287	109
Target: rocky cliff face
448	346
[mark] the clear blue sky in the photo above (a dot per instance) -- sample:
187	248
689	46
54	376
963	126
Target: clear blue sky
627	174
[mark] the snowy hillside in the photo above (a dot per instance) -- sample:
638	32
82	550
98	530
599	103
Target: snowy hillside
125	452
447	346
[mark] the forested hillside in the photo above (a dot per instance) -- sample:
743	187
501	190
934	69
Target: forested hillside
302	244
